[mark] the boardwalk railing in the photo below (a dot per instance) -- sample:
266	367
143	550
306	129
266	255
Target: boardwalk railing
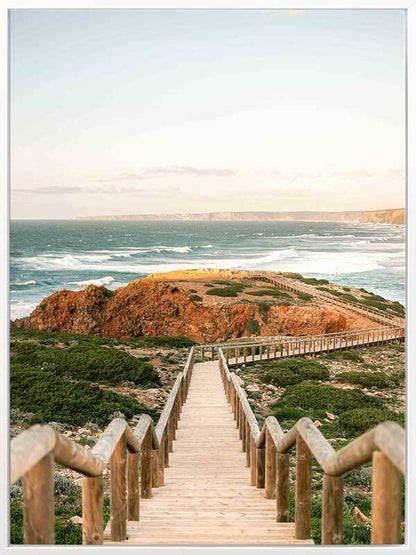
267	455
281	347
137	460
295	286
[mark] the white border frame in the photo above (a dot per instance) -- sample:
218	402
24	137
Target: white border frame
410	6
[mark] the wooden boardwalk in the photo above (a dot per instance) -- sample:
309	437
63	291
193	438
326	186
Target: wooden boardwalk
301	347
207	498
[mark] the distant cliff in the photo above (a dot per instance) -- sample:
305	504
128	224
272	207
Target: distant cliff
390	216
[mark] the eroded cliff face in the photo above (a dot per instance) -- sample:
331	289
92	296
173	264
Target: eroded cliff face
150	307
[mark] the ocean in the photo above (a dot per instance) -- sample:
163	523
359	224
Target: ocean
49	255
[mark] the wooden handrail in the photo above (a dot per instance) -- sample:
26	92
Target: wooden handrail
249	341
28	448
297	345
137	461
269	463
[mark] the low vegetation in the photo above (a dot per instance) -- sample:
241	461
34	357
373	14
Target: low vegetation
231	289
295	370
357	421
313	281
54	398
93	363
272	292
253	327
379	380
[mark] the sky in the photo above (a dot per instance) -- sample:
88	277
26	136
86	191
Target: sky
173	111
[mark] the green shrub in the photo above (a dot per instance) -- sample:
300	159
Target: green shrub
366	379
314	281
90	441
289	414
346	288
304	296
343	355
276	293
89	362
55	398
360	500
359	420
349	297
311	396
193	291
295	370
358	533
223	291
398	348
234	284
196	298
253	327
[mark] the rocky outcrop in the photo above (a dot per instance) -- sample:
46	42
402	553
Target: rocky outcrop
153	307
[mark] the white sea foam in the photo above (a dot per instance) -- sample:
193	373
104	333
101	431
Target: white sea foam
107	280
19	308
30	282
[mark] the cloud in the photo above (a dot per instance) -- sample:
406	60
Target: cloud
158	171
103	190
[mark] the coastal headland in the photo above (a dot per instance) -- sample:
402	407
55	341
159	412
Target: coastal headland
209	306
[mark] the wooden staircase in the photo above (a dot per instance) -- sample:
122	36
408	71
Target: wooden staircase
207	497
206	473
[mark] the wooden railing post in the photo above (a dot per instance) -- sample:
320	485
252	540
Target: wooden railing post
260	466
252	461
155	463
270	475
146	464
332	503
92	510
303	490
248	439
38	508
386	501
133	486
282	487
118	505
166	444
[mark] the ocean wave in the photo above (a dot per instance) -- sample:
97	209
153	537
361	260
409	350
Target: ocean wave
107	280
22	283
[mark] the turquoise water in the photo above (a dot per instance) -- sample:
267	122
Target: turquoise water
50	255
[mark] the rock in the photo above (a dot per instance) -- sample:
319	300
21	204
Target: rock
75	520
252	387
82	431
317	424
331	417
358	516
